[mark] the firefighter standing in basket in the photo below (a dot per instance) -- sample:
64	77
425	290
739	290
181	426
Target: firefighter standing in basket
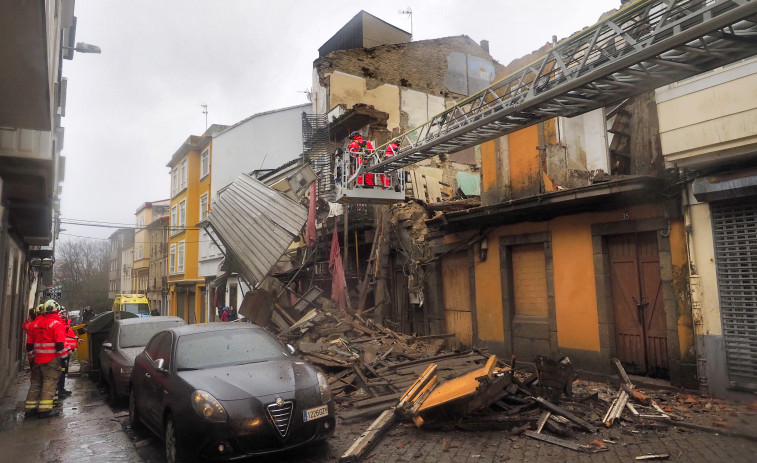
46	343
359	148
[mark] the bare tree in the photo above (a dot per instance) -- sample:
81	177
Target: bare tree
81	269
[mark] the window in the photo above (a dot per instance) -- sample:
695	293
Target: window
205	163
183	215
180	258
139	254
141	222
175	181
174	227
183	174
172	260
204	206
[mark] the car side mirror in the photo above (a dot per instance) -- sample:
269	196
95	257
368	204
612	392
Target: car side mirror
291	348
159	365
107	345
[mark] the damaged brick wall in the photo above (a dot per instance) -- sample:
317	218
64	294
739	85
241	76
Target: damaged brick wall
420	65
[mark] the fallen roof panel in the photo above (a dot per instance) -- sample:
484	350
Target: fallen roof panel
256	224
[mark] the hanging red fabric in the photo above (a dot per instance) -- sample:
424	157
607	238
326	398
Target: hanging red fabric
338	289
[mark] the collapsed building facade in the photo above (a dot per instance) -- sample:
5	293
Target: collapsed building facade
566	236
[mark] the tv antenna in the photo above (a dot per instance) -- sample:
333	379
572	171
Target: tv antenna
408	12
205	111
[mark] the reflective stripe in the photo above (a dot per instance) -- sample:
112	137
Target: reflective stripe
45	351
31	404
44	344
45	405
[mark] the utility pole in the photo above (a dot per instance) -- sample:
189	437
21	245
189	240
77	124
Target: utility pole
205	111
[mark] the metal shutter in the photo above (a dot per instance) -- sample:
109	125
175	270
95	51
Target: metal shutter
735	230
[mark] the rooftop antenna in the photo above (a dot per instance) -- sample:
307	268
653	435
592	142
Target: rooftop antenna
205	111
408	12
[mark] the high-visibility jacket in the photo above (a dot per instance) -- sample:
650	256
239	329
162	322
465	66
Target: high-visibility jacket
357	145
391	149
45	332
72	340
25	326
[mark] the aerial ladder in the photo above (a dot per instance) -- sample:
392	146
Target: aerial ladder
645	45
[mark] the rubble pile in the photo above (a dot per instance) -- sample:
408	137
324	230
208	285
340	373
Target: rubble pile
369	366
374	371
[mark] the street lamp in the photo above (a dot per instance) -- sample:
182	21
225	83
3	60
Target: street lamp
82	47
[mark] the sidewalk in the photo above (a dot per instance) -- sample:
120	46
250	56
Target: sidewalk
85	431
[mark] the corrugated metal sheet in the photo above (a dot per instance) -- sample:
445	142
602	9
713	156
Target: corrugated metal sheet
256	225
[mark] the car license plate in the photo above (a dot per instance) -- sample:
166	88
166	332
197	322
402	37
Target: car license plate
315	413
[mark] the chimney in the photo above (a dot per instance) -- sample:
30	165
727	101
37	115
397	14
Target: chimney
485	45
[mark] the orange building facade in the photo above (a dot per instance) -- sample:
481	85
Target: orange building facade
591	271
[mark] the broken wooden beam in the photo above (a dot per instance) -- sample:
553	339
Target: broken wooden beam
636	395
556	441
616	409
621	371
562	412
368	439
542	420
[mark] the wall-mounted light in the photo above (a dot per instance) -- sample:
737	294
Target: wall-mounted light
483	249
82	47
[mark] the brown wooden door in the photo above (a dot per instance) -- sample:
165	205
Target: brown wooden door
458	316
640	326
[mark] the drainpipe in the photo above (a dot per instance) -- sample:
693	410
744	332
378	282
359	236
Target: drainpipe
695	295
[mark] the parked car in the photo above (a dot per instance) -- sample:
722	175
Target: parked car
224	391
127	338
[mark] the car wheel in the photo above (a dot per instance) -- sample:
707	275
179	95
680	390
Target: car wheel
175	451
133	415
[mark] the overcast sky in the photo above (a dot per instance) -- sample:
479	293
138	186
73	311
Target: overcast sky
131	107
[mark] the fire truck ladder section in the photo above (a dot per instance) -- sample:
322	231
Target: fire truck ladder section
647	44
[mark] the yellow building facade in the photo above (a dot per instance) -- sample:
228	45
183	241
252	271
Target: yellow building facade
190	200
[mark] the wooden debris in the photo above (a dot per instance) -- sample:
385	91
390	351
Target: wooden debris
542	420
659	456
556	441
616	409
560	411
368	439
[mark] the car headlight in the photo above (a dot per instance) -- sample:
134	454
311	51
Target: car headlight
126	371
323	386
207	406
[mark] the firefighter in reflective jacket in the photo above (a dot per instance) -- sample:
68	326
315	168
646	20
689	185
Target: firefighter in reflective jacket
359	148
47	343
71	343
386	179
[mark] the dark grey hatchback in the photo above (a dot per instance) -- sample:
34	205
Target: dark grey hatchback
222	391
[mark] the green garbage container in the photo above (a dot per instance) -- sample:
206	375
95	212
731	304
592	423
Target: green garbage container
96	331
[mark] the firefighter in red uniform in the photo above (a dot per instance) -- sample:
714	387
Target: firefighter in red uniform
359	148
391	149
71	343
46	342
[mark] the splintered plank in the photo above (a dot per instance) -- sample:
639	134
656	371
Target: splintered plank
556	441
562	412
369	438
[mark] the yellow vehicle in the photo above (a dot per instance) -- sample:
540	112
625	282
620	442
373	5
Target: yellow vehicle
134	303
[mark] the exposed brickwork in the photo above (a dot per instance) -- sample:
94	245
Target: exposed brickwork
419	65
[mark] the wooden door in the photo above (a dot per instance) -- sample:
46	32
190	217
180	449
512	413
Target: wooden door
640	323
458	315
